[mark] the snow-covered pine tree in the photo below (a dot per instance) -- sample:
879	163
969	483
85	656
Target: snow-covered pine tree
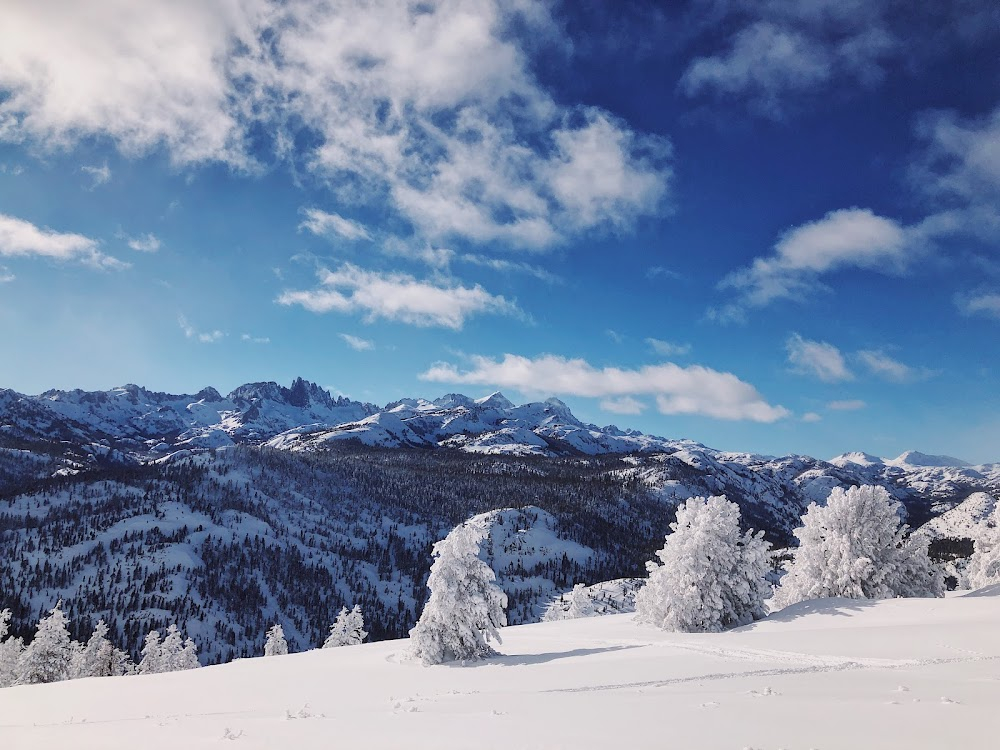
348	629
856	547
984	564
577	604
170	649
95	659
276	644
10	651
466	607
711	576
152	659
47	658
188	657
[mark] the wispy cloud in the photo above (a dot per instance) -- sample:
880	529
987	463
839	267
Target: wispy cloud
676	390
851	238
398	297
817	358
255	339
99	175
981	303
888	368
144	243
509	266
357	343
326	224
667	348
206	337
22	238
852	404
5	275
623	405
662	272
614	335
811	416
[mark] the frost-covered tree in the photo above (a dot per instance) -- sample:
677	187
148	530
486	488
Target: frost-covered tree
47	658
348	629
10	651
170	649
188	657
466	607
984	564
152	655
578	604
856	547
711	576
97	658
276	644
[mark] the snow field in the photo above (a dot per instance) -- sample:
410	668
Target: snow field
825	674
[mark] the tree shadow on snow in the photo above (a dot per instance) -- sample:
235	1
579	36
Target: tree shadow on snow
526	659
837	606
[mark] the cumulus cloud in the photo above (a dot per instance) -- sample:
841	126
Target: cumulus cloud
888	368
817	358
398	297
429	109
326	224
667	348
982	303
676	390
852	238
22	238
357	343
100	175
852	404
204	337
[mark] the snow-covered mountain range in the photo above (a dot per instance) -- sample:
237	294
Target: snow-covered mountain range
226	513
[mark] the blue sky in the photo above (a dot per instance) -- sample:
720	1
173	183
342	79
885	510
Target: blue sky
767	226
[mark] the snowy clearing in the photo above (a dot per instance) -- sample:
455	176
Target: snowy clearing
835	673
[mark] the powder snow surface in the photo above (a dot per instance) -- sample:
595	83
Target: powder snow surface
904	673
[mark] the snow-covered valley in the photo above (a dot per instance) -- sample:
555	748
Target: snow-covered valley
899	674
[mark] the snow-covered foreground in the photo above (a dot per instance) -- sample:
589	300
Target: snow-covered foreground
903	673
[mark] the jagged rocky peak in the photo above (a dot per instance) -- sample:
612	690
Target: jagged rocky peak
301	394
453	400
208	394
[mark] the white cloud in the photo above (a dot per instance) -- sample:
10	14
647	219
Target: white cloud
847	405
655	272
5	275
983	303
811	416
677	390
325	224
667	348
206	337
22	238
817	358
612	334
431	110
144	243
782	50
398	297
623	405
851	238
255	339
511	266
881	364
100	175
357	343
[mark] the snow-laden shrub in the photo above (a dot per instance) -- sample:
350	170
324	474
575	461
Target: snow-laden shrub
174	654
348	629
856	547
711	576
276	644
466	607
984	563
10	651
